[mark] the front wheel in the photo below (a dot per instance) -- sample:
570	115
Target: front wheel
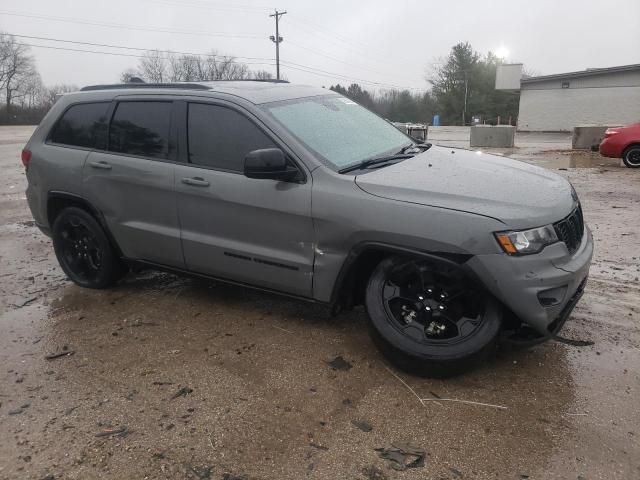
631	156
428	317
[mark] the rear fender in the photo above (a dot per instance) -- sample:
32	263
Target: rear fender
57	200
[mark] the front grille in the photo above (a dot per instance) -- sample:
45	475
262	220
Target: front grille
571	229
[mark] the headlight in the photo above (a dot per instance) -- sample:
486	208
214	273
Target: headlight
527	241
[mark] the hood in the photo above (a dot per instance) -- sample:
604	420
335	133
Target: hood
516	193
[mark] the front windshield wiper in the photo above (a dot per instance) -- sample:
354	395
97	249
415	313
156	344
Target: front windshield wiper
375	161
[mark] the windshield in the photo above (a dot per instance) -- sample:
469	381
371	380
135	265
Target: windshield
337	129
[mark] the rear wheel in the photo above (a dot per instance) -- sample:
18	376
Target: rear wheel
631	156
84	251
428	317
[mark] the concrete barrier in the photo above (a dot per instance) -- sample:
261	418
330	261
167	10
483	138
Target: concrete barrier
497	136
586	136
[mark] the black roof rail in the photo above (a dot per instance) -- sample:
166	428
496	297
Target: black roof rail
262	80
179	86
265	80
120	86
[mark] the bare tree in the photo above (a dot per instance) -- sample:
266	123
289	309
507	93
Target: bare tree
160	67
16	66
153	66
188	68
232	70
32	92
51	94
261	75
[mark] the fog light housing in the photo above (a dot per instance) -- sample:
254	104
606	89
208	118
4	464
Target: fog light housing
552	296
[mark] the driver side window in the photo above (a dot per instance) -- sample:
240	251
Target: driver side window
220	138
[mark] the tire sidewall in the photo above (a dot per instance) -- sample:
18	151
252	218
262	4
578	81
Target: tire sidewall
109	269
626	154
484	336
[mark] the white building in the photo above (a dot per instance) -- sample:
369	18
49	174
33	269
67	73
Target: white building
602	96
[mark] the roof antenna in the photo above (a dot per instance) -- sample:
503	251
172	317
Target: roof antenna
136	80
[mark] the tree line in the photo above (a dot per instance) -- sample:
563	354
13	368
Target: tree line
462	85
160	67
25	99
394	105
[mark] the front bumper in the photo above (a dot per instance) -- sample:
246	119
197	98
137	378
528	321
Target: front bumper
609	147
520	282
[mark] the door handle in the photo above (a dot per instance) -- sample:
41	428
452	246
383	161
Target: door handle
195	181
103	165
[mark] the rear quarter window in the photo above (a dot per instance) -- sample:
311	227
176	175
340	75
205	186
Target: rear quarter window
82	125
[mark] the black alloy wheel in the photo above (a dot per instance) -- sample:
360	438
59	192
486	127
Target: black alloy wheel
429	316
83	250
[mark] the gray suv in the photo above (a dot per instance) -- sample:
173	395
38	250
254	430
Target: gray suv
301	191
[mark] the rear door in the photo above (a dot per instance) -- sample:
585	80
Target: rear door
252	231
131	181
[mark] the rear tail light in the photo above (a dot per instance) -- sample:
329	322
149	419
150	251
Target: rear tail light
26	157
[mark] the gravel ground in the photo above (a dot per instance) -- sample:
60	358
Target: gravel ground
165	377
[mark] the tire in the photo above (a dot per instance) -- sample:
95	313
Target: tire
631	156
84	251
430	341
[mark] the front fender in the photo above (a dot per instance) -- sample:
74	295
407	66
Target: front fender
348	220
363	257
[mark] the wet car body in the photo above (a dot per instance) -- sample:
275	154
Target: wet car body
622	142
463	182
314	232
462	226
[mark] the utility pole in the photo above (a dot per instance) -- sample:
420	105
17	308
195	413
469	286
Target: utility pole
277	39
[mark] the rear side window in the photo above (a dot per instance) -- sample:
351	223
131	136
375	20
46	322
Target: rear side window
82	125
220	137
141	128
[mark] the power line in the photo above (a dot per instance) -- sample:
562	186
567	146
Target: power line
320	53
293	65
171	31
236	7
332	36
133	27
139	49
155	29
341	46
323	37
297	67
324	73
115	54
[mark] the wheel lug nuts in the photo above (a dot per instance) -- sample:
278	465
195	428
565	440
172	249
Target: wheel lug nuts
441	307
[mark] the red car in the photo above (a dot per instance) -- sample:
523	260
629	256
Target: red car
623	142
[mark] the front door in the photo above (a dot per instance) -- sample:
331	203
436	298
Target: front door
131	182
252	231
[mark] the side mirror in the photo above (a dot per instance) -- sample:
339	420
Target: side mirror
269	163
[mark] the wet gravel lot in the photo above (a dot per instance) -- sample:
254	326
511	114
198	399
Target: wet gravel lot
166	377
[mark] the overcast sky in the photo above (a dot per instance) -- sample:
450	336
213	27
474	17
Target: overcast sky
381	41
